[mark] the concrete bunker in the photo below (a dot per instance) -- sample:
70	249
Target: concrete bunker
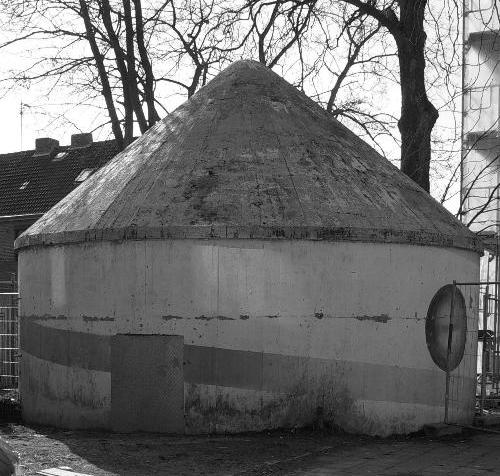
246	262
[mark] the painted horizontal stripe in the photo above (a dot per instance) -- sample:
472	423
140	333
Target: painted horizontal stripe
65	347
279	373
247	369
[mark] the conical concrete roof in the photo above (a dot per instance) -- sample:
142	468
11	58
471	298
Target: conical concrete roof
249	156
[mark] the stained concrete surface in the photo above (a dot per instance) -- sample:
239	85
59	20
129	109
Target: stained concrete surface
310	337
277	453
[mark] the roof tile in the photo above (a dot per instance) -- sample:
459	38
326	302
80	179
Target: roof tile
49	180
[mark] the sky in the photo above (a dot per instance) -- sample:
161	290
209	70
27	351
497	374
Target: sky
35	122
10	105
10	137
13	137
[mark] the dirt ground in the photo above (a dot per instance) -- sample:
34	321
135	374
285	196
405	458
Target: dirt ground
276	453
108	454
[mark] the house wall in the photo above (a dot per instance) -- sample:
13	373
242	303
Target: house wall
275	332
8	261
7	237
9	231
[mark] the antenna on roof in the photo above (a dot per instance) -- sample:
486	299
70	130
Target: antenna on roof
21	117
21	114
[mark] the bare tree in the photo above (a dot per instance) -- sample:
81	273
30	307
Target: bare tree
118	60
139	57
404	20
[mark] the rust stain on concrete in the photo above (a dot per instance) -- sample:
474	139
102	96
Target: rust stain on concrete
377	318
47	317
381	318
98	319
170	317
209	318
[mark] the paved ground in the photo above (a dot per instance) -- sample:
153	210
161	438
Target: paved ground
276	453
453	456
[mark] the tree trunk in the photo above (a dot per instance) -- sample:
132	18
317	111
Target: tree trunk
103	75
132	73
114	41
196	79
149	94
418	115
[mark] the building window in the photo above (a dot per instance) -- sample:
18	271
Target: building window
479	98
59	156
478	5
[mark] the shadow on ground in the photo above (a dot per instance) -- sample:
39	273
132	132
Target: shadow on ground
104	454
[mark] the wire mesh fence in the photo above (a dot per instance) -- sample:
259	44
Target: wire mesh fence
478	395
488	369
9	339
9	352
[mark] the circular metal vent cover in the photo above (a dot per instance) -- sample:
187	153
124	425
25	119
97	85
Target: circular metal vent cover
437	327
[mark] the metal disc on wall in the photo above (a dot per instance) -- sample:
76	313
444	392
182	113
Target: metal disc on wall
437	327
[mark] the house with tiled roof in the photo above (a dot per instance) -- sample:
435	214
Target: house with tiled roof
33	181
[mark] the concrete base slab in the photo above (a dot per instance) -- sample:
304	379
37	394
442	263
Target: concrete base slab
437	430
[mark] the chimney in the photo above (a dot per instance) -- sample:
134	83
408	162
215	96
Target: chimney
45	145
81	140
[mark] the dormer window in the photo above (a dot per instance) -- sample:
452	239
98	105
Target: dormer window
84	175
59	156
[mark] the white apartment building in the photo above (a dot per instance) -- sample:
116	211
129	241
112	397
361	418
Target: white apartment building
481	113
480	179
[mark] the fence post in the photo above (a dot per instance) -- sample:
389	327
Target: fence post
486	298
448	352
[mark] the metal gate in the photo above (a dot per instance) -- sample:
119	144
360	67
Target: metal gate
9	336
480	355
488	370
